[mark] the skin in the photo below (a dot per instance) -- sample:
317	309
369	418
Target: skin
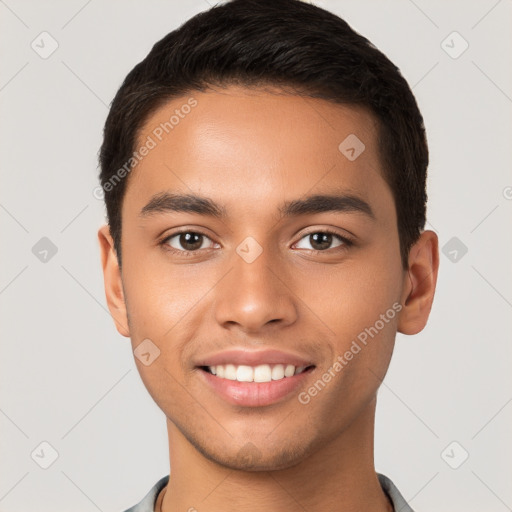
249	150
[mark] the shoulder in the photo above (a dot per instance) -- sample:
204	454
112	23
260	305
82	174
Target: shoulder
147	504
394	494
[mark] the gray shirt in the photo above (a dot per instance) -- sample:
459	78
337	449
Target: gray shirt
147	504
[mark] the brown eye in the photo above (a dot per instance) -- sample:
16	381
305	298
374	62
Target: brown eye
323	240
320	241
186	241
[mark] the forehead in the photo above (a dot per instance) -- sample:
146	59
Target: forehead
254	146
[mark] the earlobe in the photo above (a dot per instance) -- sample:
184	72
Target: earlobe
419	284
112	281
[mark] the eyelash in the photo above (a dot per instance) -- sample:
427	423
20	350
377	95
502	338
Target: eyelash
347	242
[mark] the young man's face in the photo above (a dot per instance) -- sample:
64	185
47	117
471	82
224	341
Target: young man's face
251	153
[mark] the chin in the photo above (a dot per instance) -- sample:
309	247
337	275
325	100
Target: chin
252	458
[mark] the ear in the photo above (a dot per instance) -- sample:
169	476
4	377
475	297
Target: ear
112	280
419	284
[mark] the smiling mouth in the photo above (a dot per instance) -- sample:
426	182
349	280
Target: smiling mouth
260	373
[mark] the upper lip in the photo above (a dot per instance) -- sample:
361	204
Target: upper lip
240	356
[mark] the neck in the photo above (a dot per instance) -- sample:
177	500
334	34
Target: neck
340	475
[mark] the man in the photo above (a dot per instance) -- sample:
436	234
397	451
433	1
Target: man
264	170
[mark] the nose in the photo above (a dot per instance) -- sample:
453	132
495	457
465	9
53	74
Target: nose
256	295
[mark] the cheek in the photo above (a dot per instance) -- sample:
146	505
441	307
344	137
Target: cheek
166	305
159	295
360	305
352	297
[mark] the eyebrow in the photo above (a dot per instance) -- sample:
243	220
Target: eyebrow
167	202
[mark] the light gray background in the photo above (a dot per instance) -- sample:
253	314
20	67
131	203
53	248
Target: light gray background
67	376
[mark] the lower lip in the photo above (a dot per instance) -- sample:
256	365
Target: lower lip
254	394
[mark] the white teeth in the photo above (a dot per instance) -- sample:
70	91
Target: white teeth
244	373
260	373
230	372
289	371
278	372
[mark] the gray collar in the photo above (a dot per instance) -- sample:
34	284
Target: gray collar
147	504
